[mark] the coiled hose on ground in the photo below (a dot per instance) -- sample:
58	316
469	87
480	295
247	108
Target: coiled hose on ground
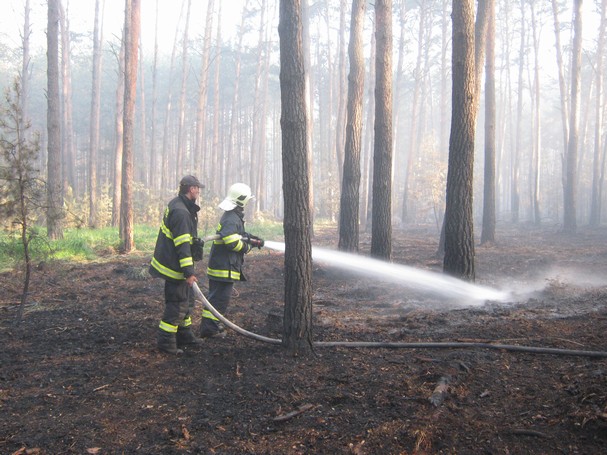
390	345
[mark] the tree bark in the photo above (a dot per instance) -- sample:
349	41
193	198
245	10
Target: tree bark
459	232
350	188
381	237
298	250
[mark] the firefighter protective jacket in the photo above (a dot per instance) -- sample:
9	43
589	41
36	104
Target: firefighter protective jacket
227	252
172	255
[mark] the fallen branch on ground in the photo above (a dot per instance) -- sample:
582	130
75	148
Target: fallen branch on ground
300	410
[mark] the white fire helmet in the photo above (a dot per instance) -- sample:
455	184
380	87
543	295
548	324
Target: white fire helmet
239	195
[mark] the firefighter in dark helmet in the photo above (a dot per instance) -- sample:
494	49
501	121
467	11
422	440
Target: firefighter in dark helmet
227	255
177	247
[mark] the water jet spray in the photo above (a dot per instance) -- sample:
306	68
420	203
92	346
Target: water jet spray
444	285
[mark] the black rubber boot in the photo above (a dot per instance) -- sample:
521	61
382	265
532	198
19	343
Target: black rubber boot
167	342
185	337
210	329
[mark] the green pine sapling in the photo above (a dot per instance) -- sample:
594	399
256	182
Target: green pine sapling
20	185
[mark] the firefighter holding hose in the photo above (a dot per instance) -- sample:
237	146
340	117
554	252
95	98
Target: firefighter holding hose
177	247
226	258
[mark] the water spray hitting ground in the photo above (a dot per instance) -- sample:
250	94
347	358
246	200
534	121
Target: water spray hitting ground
436	283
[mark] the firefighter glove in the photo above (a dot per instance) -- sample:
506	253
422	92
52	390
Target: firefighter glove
197	248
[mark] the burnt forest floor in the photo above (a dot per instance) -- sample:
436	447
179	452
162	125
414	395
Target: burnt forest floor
81	373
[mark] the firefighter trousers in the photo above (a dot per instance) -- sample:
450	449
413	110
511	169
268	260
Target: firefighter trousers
178	305
220	293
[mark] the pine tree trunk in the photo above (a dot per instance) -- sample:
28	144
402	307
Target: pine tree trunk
298	251
459	233
381	237
350	188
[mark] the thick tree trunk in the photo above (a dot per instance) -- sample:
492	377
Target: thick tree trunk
350	188
459	232
381	237
298	249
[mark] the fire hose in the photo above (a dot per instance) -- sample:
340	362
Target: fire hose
395	345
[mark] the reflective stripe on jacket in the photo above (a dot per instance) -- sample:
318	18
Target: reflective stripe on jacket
227	253
172	255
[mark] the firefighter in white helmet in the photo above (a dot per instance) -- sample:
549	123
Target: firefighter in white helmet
227	255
